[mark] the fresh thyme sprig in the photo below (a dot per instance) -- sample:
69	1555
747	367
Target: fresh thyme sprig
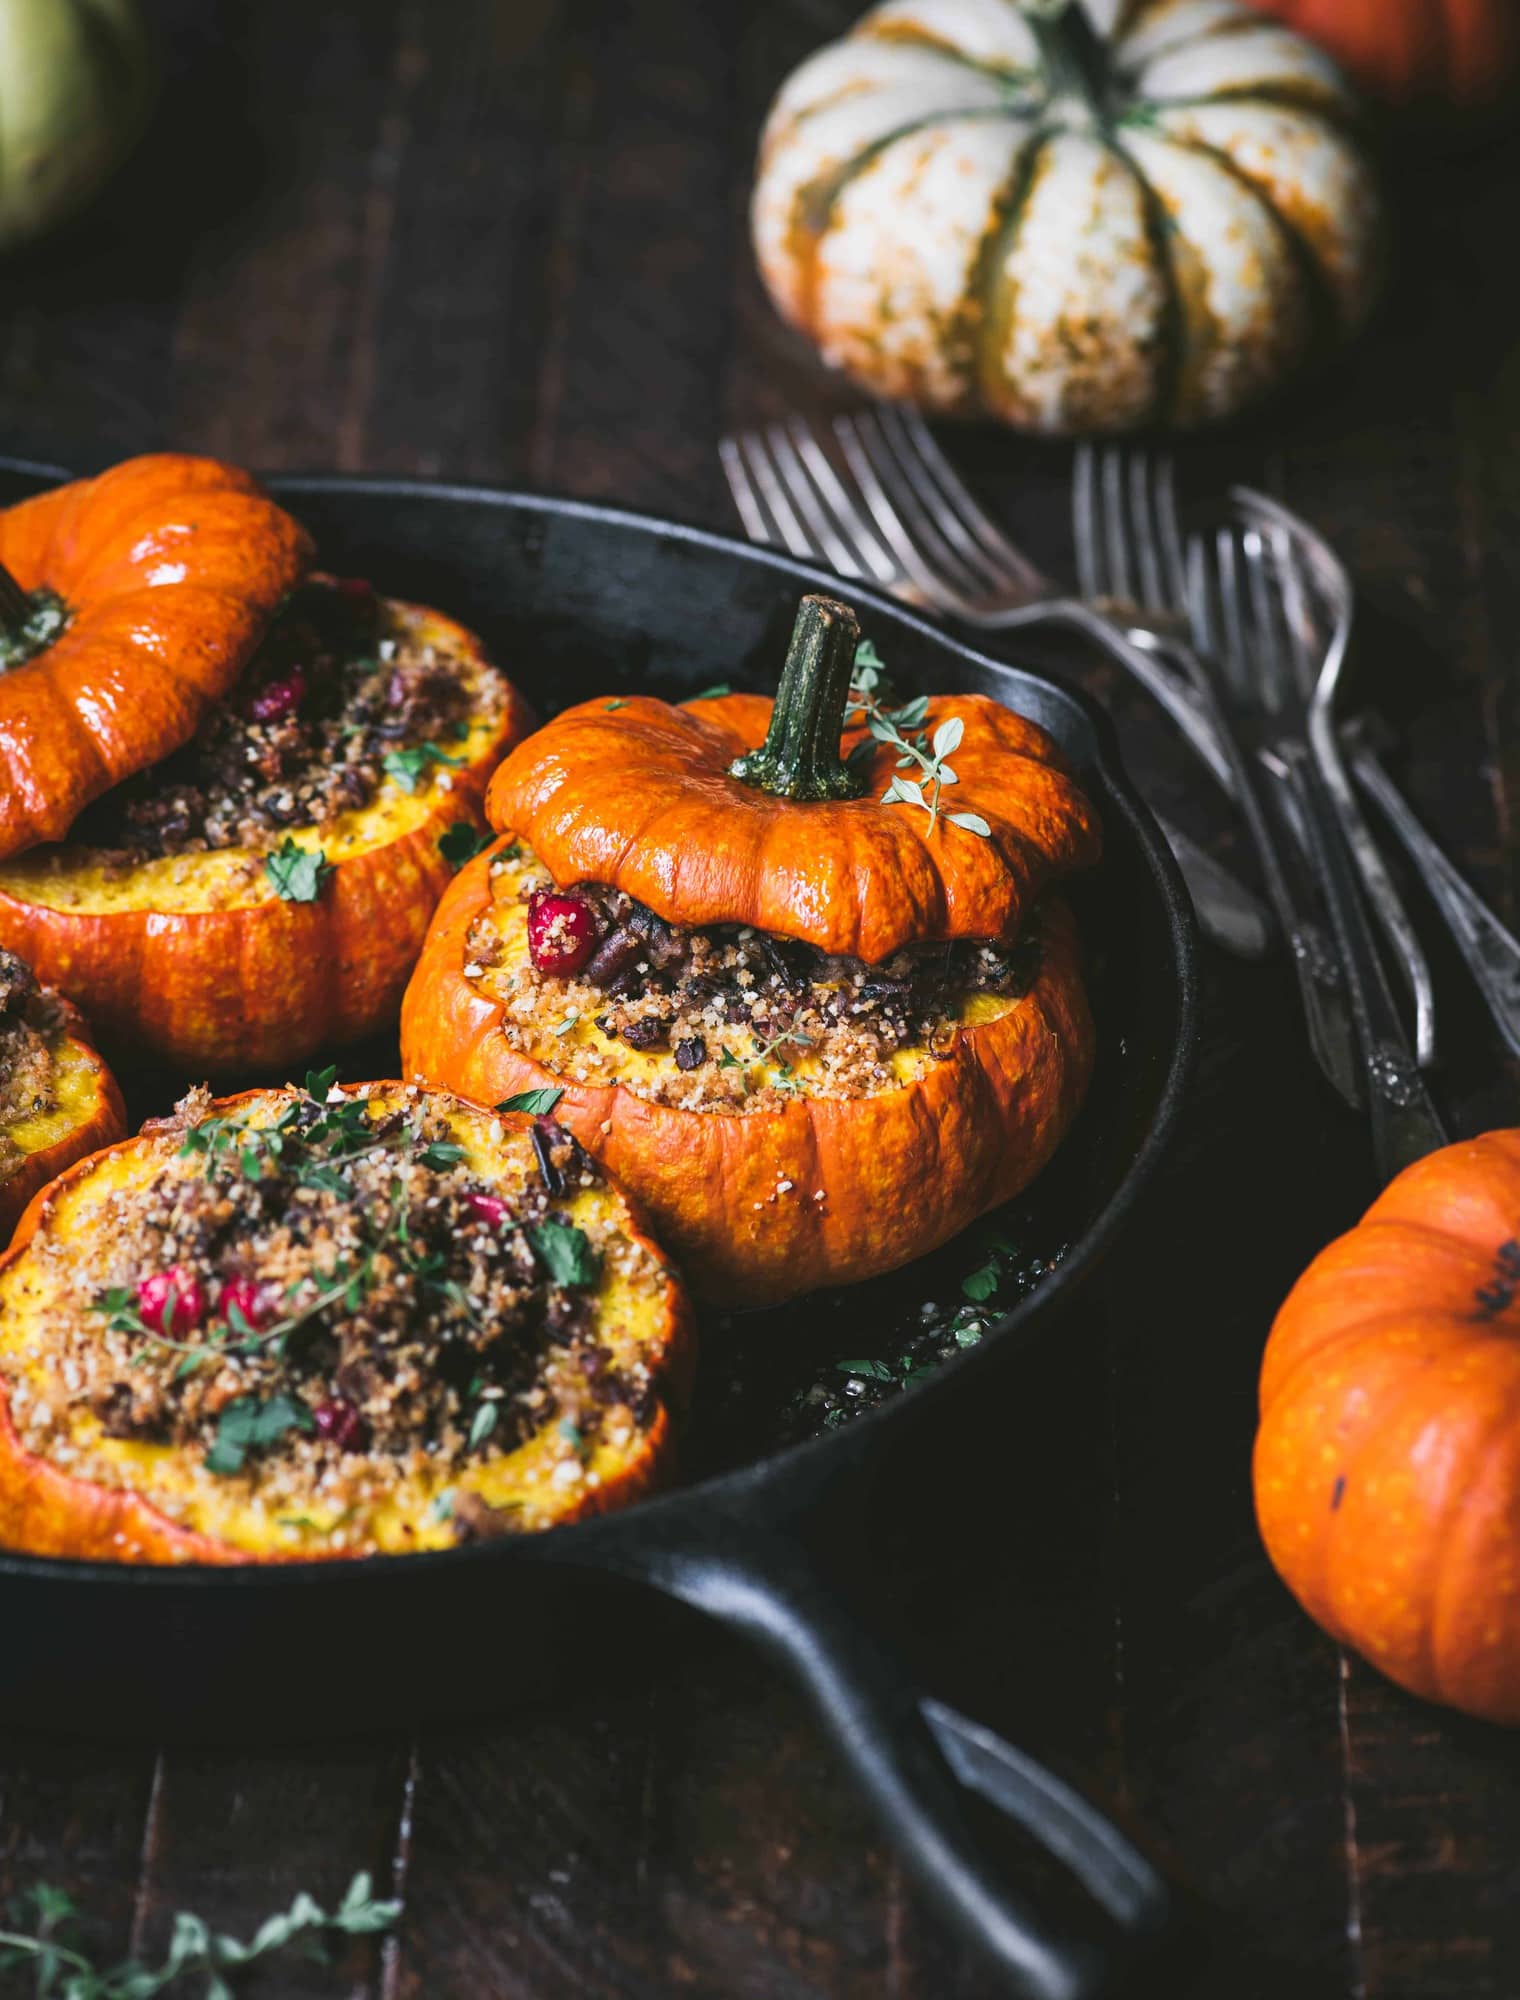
902	730
61	1971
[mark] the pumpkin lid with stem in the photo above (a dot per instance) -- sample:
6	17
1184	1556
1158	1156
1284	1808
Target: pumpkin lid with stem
129	603
825	815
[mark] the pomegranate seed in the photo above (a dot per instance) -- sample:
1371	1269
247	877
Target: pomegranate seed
247	1297
280	698
490	1208
562	933
340	1423
171	1302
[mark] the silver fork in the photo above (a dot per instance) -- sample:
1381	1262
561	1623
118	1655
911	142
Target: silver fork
1128	533
1490	951
898	516
1249	595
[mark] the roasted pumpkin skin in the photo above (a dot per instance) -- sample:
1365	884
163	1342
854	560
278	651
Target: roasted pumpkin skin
89	1114
1387	1464
169	568
735	1196
44	1510
197	960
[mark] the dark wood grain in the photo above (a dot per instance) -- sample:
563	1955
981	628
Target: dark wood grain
506	239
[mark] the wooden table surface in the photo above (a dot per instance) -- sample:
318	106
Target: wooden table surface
506	239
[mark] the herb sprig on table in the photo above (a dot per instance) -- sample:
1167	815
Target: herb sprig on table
43	1938
902	730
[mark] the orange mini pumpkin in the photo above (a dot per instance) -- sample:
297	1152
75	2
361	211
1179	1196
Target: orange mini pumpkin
840	1141
128	605
1462	52
1387	1467
468	1333
252	951
58	1100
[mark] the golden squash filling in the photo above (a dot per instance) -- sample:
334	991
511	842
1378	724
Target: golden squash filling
31	1029
348	692
335	1318
597	989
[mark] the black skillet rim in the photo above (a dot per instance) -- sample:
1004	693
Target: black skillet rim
581	1543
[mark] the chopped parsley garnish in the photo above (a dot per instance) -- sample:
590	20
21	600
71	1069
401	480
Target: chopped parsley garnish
537	1103
297	874
411	768
565	1253
483	1423
462	842
251	1421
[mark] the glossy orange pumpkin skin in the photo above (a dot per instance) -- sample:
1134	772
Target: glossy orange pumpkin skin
1387	1465
45	1511
1461	52
901	1172
266	984
102	1120
638	794
170	568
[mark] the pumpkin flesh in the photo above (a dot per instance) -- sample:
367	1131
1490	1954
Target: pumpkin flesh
72	1484
197	956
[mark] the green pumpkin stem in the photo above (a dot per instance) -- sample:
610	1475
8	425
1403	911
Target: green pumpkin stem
29	620
1074	55
799	758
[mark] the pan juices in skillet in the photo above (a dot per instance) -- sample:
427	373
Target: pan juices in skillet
792	969
321	1322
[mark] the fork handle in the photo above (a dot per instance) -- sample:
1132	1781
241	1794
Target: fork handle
1405	1123
1491	951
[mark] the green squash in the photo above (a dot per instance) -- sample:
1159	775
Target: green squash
76	83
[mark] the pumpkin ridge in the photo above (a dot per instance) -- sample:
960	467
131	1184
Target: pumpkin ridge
1452	1580
987	281
1171	366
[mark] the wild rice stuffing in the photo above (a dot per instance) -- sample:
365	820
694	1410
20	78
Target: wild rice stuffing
341	696
744	1019
30	1022
329	1299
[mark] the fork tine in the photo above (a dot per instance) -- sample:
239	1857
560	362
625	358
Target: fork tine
848	512
1115	532
805	498
1147	541
758	524
1084	523
756	462
1298	617
1169	518
915	551
911	492
1269	660
919	450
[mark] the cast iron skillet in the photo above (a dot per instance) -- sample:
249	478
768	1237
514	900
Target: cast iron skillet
573	601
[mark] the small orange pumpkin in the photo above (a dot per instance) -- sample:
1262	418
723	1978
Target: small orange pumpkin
763	1200
1387	1466
1463	52
81	1109
128	605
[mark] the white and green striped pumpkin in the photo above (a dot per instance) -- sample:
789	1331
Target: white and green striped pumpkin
1089	216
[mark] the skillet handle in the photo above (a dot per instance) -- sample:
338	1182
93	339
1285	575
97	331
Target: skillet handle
912	1756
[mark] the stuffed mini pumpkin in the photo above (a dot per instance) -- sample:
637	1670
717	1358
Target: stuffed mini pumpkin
1387	1467
817	1013
58	1100
1069	217
264	892
310	1323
